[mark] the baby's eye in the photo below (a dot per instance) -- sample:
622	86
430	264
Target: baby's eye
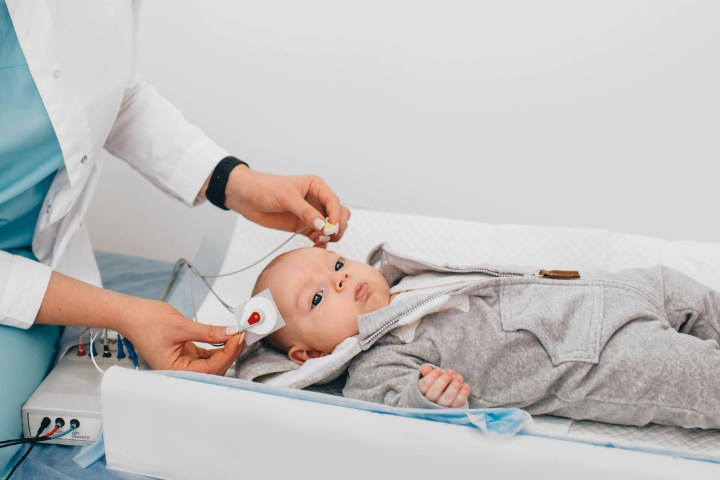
317	298
339	264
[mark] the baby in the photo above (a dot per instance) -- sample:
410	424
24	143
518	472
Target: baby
631	347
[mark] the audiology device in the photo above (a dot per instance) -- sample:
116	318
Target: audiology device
259	317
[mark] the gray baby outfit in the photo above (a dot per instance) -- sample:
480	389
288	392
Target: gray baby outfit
631	347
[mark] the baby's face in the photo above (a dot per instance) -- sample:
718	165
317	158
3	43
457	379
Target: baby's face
320	295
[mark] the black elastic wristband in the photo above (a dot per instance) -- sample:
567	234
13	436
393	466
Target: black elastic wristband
215	192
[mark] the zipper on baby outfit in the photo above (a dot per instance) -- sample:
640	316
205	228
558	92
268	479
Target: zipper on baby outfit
408	312
556	274
493	273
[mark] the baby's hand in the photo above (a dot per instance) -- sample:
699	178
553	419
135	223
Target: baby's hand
446	388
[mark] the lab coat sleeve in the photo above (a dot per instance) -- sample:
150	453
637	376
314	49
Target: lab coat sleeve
388	374
23	284
154	137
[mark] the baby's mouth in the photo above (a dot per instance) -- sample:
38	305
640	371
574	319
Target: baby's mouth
361	292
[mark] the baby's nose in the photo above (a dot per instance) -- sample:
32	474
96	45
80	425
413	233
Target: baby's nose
340	283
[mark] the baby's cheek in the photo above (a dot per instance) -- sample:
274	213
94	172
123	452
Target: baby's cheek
376	302
350	325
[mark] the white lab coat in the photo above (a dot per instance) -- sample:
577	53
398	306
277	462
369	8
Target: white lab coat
82	55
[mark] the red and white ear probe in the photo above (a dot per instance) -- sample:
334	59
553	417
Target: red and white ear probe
259	317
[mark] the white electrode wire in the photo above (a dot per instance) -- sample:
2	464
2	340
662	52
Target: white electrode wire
194	310
184	262
202	277
92	343
192	298
257	262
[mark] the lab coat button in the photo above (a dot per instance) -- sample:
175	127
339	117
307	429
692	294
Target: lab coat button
57	73
83	159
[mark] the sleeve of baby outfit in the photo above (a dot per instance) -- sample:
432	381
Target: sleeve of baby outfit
388	374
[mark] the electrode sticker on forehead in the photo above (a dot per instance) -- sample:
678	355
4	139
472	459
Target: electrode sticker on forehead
259	317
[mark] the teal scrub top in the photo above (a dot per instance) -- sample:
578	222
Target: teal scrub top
30	154
29	157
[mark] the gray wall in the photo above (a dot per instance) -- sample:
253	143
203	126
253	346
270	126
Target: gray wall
598	114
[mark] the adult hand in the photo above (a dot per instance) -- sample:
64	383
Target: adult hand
161	334
286	202
164	338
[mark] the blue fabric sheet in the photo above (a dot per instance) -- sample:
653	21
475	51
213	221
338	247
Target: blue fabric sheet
498	421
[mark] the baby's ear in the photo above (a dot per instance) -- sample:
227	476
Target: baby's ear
302	353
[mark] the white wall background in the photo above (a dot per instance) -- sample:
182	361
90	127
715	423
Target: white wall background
600	114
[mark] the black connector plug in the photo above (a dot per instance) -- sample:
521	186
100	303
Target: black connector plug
44	424
74	423
59	422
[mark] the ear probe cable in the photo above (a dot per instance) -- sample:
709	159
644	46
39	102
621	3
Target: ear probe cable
255	317
185	262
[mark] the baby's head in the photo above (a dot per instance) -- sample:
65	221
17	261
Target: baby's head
320	295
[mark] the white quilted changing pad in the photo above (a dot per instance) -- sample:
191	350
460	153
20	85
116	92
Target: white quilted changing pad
232	242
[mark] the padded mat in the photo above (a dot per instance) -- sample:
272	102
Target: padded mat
472	242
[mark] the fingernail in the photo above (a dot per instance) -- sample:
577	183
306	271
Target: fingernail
232	330
318	223
323	239
242	338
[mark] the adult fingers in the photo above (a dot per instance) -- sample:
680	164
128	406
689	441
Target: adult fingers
201	352
303	206
342	223
324	199
200	332
321	238
320	194
314	236
220	359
